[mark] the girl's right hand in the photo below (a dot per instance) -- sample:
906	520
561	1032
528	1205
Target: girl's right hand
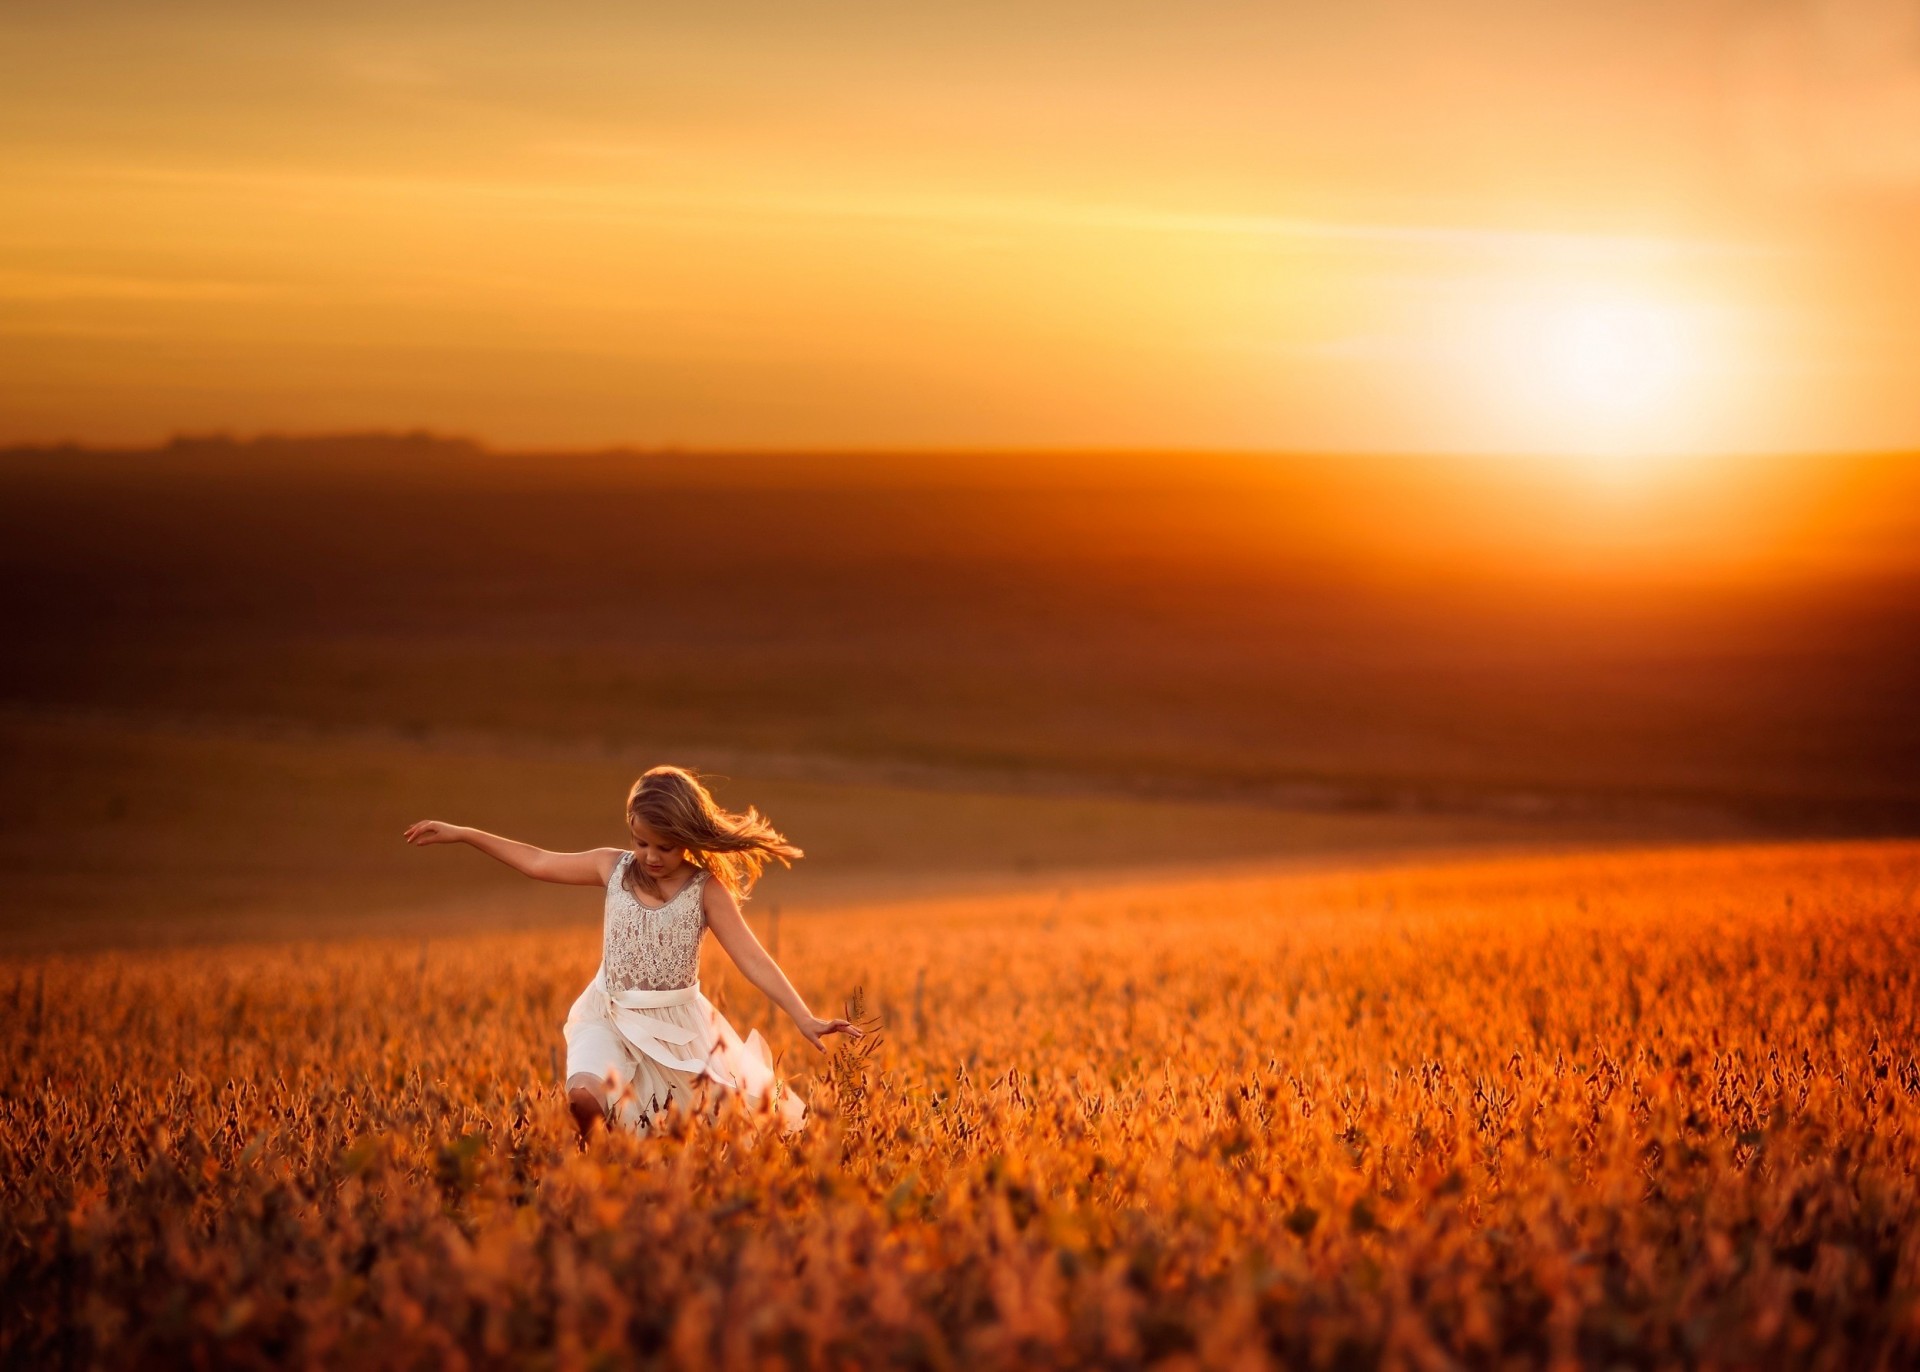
813	1029
433	831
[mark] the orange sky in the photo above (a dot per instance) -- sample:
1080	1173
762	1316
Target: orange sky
1612	228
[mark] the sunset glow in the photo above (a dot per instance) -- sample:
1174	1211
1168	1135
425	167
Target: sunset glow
1576	231
1613	358
1618	376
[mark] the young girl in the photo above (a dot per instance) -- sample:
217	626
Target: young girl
642	1037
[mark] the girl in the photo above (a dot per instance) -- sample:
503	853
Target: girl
642	1037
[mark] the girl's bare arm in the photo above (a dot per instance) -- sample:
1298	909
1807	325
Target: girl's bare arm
592	868
757	965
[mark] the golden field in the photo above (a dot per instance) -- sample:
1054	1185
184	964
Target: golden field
1649	1108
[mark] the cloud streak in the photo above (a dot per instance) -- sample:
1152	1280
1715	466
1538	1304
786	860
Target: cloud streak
23	286
547	198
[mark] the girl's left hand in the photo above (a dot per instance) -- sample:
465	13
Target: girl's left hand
431	831
813	1029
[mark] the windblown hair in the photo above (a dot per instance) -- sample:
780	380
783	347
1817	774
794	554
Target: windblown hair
732	847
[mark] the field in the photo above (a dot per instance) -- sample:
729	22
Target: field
1332	913
1646	1108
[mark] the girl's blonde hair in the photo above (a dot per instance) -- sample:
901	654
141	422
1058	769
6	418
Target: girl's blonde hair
732	847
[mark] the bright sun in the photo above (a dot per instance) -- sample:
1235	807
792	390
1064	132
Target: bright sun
1606	374
1612	358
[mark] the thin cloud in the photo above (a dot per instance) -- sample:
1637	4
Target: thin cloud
23	286
550	199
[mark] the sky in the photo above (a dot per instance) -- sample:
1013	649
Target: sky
1608	231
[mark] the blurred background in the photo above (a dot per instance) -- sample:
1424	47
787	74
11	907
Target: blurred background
1008	446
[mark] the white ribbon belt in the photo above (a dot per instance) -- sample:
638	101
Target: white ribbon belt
638	999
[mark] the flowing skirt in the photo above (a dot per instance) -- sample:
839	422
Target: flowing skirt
656	1049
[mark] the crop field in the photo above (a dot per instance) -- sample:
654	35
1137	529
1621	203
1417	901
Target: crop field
1651	1108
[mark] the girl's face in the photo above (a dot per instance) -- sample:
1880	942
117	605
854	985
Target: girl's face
656	855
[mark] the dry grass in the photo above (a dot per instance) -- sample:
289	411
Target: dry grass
1649	1109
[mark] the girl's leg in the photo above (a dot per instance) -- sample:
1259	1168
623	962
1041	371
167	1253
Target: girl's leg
586	1101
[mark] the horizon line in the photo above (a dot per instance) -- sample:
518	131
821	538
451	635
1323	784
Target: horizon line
452	439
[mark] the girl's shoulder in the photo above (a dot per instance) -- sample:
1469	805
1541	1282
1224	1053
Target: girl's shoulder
717	897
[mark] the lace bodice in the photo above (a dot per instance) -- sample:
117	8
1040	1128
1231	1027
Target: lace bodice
652	947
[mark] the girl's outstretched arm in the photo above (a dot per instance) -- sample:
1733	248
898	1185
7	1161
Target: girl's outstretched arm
591	868
758	966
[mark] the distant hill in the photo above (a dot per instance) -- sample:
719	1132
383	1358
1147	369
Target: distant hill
1364	631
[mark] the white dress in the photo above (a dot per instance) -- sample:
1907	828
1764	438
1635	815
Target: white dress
642	1026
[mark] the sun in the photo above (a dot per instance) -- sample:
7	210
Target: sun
1612	357
1597	372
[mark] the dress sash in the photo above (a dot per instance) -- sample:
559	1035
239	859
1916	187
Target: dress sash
637	998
